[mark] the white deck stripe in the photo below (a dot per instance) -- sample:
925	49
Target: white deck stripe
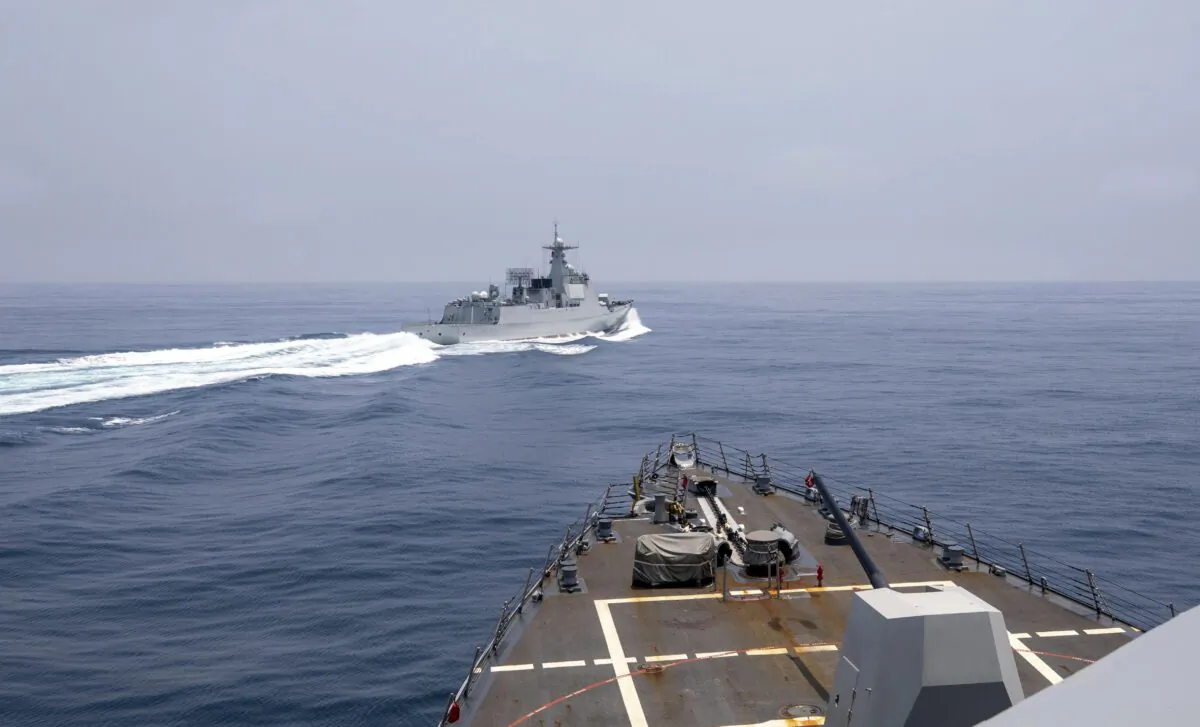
1097	632
513	667
1034	660
765	652
1020	636
1067	632
762	651
629	695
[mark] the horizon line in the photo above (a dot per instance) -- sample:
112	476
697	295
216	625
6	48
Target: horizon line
609	284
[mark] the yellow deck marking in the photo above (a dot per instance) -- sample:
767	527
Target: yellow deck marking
765	652
513	667
814	589
1034	660
651	599
868	586
793	722
1049	634
829	589
666	657
629	695
816	647
561	664
715	654
1097	632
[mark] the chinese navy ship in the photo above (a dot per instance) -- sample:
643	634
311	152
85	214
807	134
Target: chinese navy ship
561	304
721	588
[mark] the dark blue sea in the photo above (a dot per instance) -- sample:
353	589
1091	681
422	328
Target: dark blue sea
262	505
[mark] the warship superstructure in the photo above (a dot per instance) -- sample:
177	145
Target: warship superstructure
563	303
722	589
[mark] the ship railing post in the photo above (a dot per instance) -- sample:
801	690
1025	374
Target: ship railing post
499	627
874	509
724	462
1171	606
974	550
928	524
525	592
475	664
695	449
766	469
449	704
1025	560
1099	603
549	562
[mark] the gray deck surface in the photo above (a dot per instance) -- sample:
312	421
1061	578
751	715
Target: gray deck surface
798	634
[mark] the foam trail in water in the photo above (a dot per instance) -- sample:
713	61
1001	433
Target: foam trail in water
33	387
26	388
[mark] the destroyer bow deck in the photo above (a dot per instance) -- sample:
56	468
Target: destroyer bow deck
747	644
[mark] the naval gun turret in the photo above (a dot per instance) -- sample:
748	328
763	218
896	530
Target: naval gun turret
936	657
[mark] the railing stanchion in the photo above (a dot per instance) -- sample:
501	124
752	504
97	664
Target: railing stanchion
475	664
525	592
1095	592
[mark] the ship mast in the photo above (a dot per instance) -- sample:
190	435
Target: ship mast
558	265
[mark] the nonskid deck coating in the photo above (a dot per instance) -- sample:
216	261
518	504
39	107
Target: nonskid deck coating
740	662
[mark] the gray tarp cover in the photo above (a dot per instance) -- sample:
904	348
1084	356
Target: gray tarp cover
666	558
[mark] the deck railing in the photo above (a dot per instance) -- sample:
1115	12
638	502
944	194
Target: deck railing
1079	585
616	502
1041	571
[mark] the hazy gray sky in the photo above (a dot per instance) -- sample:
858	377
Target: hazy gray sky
144	140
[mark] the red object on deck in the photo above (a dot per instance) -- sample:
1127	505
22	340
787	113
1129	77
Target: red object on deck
452	715
820	574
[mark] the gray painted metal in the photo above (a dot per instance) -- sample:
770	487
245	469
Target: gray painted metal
936	658
562	304
1159	666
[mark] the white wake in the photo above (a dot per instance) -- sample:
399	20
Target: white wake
26	388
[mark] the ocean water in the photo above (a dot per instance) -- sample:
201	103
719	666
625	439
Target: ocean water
264	506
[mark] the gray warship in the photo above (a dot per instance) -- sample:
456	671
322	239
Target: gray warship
720	588
562	304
